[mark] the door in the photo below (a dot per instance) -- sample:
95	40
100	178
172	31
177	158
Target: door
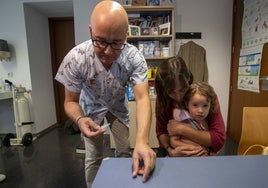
239	98
61	41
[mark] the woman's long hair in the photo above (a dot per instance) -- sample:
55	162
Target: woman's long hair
170	72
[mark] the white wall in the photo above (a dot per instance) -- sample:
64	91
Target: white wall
31	66
27	34
213	18
37	30
13	30
82	10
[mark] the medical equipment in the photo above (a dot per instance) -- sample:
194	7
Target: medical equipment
23	121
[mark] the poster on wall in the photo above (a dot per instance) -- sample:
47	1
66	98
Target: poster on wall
249	68
255	23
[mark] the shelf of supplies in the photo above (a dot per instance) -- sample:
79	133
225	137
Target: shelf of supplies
157	58
150	37
148	8
151	17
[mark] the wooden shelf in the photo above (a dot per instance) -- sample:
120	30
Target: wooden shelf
157	58
160	38
148	8
151	36
154	12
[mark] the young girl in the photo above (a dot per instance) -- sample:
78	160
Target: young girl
200	102
171	83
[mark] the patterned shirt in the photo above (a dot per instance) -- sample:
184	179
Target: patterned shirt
100	90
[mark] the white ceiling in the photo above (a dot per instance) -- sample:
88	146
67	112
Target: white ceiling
54	8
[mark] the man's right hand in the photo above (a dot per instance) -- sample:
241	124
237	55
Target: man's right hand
89	128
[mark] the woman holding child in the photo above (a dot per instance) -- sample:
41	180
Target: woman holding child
172	83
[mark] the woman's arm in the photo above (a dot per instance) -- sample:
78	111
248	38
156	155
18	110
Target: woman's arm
164	138
176	141
214	138
182	148
183	129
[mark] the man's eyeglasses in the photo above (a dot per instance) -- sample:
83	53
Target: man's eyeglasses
103	44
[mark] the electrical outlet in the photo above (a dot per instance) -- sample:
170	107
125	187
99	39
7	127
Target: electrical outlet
265	151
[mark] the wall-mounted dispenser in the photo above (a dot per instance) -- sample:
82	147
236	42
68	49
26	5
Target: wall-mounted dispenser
4	51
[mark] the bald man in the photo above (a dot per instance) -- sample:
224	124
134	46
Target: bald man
95	74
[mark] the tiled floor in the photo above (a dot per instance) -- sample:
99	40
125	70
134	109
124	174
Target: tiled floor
51	161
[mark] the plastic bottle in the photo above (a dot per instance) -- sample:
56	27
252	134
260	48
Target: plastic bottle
130	92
